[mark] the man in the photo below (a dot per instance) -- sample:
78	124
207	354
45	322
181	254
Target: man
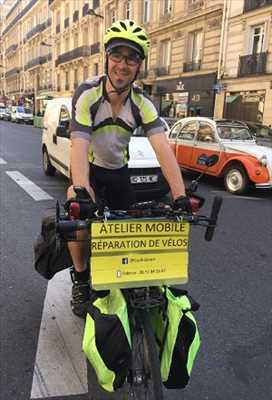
105	112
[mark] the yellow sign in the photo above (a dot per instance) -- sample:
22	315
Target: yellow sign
129	253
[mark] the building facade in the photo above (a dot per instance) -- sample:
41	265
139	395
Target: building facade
246	73
198	63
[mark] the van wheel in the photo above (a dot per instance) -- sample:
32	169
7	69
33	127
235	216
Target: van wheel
47	166
236	180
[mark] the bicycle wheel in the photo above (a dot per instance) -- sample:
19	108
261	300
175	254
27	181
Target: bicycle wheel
146	375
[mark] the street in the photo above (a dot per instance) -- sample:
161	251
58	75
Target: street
230	277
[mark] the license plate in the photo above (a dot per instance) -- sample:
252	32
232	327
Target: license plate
144	179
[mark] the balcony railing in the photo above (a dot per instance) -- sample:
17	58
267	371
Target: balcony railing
58	28
66	22
38	61
75	16
95	48
252	64
83	51
254	4
161	71
12	72
11	49
191	66
67	86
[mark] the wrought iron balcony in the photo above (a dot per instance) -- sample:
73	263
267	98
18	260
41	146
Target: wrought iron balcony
252	64
83	51
38	61
11	49
95	48
12	72
254	4
75	16
191	66
162	71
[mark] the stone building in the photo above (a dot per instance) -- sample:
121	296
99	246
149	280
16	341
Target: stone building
246	70
206	55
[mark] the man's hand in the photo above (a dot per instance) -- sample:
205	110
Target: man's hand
182	203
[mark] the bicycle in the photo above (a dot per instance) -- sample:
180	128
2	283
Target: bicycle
144	375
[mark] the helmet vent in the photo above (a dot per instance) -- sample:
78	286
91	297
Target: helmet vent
131	23
123	25
138	29
115	29
142	37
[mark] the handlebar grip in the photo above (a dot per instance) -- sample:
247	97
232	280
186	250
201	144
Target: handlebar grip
217	203
66	227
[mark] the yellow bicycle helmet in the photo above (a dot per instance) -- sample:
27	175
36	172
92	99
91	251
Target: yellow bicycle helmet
127	33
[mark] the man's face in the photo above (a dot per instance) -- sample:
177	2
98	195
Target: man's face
123	64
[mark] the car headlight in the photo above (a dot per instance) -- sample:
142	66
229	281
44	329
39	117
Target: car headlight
263	160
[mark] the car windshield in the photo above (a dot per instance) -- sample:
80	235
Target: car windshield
228	132
24	110
2	109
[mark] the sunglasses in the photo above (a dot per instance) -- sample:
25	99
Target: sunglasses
132	59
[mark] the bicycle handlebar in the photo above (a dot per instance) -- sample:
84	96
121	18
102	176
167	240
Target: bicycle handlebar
144	210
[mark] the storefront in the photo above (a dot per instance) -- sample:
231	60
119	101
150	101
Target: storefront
185	97
245	105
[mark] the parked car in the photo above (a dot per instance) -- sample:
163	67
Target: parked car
21	114
7	114
145	173
262	133
241	161
2	111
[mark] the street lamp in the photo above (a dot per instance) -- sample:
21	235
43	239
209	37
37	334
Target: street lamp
92	12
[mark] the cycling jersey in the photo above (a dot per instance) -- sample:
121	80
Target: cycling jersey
92	119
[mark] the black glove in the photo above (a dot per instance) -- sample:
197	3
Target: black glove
182	203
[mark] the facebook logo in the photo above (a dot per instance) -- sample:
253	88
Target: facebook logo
125	260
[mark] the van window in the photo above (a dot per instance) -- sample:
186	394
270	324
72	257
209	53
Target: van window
64	117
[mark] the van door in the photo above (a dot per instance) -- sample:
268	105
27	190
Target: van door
62	143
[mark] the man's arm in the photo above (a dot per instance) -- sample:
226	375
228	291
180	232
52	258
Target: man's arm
168	163
80	169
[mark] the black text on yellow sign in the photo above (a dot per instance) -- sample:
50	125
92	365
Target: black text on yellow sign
132	253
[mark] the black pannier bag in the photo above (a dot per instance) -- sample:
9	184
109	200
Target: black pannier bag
178	336
48	257
107	340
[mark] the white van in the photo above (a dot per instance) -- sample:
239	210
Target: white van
145	173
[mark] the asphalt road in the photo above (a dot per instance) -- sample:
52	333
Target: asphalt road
230	277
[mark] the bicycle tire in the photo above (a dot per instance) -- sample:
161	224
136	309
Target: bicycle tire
153	389
217	203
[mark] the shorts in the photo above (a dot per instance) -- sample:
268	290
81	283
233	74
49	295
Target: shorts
112	188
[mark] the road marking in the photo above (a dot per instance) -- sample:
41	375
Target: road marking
2	161
29	187
60	367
